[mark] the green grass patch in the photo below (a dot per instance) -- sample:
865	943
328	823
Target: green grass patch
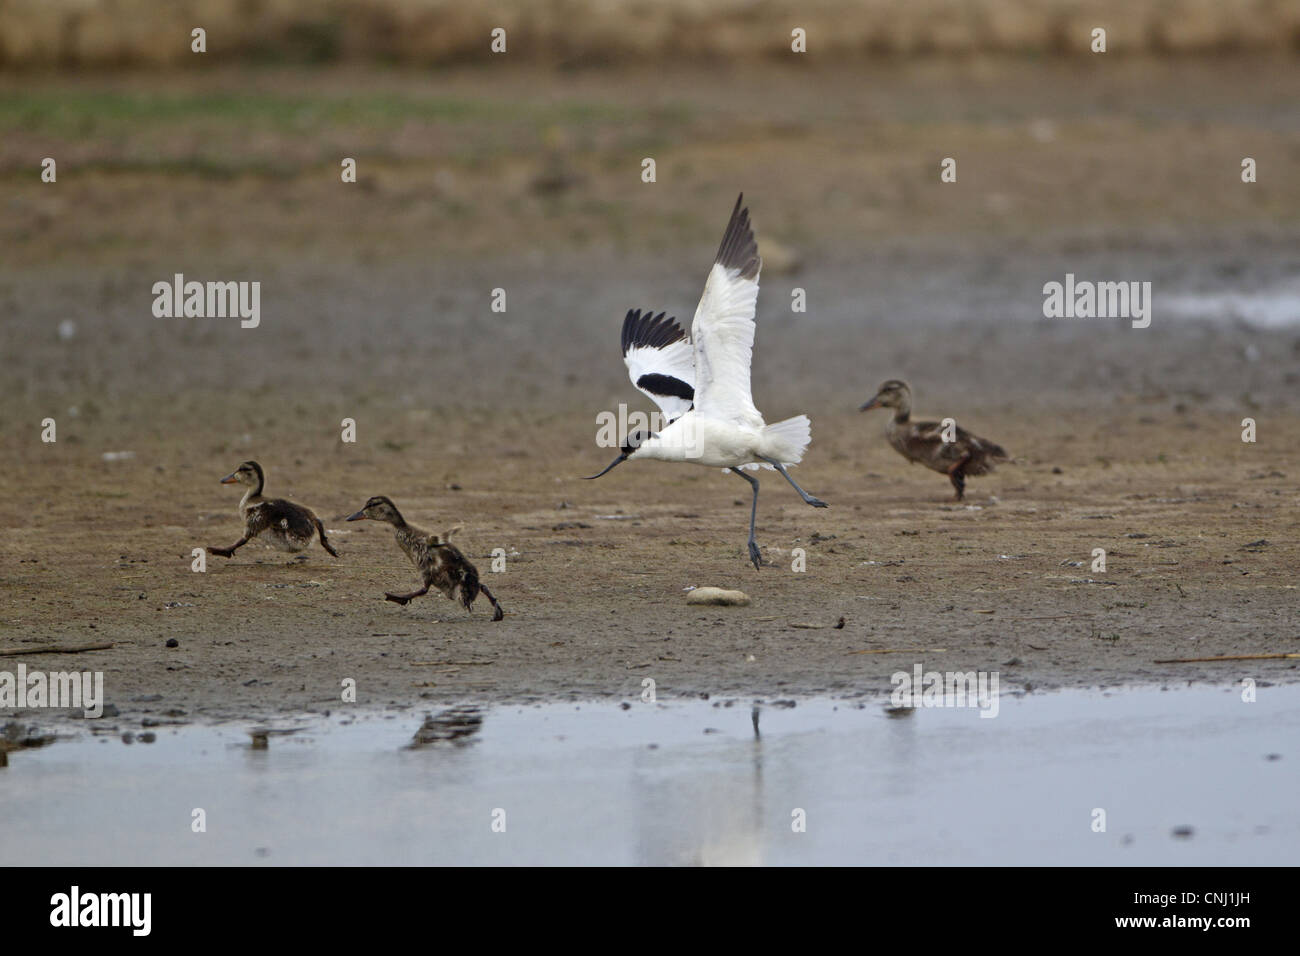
78	112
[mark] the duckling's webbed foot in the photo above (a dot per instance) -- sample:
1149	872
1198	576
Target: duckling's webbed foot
497	613
957	475
324	543
230	551
406	598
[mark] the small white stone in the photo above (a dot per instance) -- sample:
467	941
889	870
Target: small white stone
717	596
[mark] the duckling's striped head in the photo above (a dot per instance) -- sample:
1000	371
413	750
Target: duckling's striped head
248	473
891	394
378	508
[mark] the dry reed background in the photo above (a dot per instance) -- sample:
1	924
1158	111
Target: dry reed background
142	33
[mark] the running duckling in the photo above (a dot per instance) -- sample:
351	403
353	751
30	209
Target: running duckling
290	526
440	563
957	453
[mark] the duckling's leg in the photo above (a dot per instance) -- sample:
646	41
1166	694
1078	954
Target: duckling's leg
808	499
230	551
957	475
754	554
320	530
497	613
406	598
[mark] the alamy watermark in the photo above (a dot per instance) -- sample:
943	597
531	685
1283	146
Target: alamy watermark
623	429
1098	300
58	689
208	300
922	688
129	910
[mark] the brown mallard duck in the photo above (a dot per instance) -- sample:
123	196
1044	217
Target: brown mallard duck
964	456
440	563
288	526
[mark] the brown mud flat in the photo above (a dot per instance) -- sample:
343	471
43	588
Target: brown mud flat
1201	558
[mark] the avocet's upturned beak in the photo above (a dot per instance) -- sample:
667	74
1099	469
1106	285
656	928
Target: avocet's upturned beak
620	458
359	516
868	406
231	478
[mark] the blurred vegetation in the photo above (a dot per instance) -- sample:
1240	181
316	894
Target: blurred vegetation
62	33
220	133
74	112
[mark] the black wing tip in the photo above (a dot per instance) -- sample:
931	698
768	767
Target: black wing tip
739	250
647	330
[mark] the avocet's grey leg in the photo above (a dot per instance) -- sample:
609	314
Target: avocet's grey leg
754	554
809	499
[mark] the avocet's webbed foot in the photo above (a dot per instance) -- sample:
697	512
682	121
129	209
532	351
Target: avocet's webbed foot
755	555
808	499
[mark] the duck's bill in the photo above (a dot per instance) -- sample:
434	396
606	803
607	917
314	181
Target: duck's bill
359	516
868	406
231	478
618	460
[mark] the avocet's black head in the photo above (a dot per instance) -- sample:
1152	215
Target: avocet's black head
378	508
634	440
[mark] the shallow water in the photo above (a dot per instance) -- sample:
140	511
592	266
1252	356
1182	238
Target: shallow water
1275	307
687	782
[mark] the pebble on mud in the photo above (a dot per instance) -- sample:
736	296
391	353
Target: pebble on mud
172	642
718	596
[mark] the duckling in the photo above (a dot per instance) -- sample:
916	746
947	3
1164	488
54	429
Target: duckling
440	563
965	455
290	526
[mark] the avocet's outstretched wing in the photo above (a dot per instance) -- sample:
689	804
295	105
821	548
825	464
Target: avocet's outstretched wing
723	331
660	361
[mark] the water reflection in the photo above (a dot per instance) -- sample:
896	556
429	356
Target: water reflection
687	783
